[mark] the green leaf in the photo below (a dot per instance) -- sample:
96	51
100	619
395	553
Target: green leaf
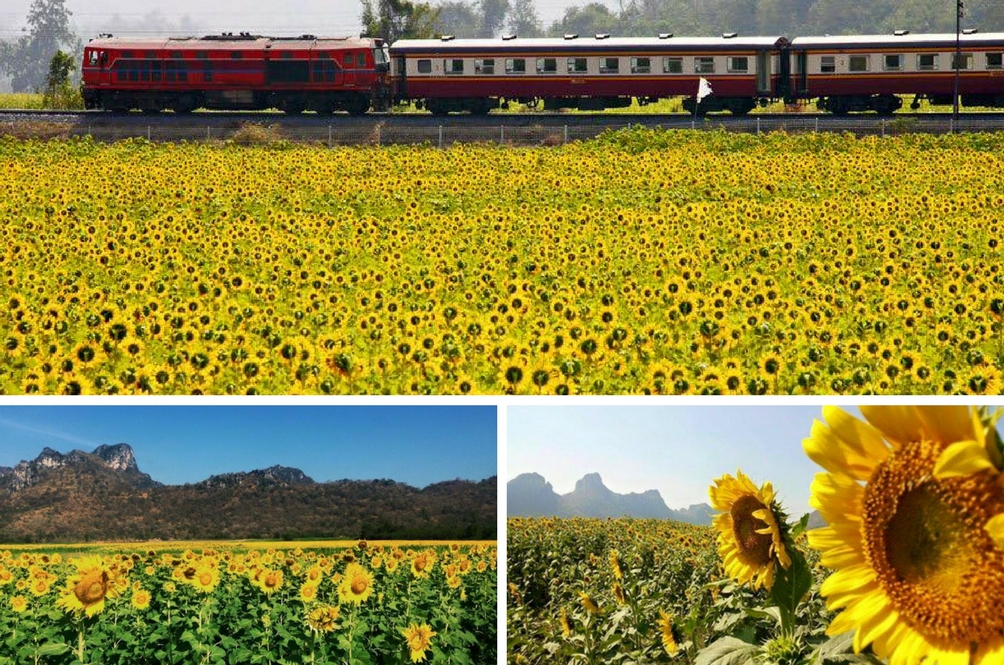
791	585
727	651
53	649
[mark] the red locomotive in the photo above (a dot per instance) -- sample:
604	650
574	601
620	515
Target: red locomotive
241	71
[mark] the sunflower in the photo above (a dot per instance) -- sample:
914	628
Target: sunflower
908	497
205	579
665	625
141	599
270	581
421	565
19	604
357	585
87	589
323	618
566	625
308	592
751	530
419	638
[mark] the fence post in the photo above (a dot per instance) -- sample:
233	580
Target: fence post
564	138
816	130
758	126
209	132
502	135
148	132
883	127
693	124
440	137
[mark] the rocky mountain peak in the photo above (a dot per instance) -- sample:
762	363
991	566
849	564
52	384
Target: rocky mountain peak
119	456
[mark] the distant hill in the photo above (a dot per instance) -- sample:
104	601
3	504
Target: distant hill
102	495
530	495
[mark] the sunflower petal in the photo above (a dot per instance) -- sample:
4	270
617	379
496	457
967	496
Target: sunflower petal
995	527
990	655
948	423
874	627
899	424
962	458
834	453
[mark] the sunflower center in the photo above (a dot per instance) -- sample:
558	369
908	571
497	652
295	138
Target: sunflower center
91	588
754	548
206	579
925	539
420	563
359	585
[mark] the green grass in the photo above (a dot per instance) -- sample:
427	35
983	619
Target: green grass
20	100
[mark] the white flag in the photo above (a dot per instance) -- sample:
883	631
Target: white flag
703	89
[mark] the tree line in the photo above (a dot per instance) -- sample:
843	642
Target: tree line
395	19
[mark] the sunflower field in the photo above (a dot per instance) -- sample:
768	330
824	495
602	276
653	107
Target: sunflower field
643	262
908	568
367	604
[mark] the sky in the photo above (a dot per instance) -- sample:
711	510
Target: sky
678	450
280	18
186	444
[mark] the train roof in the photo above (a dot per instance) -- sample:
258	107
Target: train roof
230	42
903	39
591	44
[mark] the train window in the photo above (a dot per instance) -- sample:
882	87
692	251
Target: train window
361	60
967	61
704	65
547	65
202	55
857	63
236	55
425	66
92	58
453	66
610	65
349	60
827	64
672	65
892	63
126	54
486	67
176	55
515	66
927	62
641	65
151	55
995	60
739	64
577	66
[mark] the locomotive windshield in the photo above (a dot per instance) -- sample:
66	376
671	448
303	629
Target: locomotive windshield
380	59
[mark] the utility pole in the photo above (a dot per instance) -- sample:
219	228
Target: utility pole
959	9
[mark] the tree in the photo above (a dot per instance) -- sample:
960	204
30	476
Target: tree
523	19
59	93
27	59
587	20
398	19
457	18
493	13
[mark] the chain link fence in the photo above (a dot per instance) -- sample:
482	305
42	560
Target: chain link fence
380	132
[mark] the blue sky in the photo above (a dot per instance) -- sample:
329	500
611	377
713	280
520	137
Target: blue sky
678	450
177	444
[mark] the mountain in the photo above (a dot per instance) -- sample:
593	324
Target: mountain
102	495
530	495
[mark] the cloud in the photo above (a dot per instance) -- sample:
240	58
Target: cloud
48	432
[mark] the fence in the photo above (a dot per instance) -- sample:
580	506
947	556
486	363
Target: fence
548	132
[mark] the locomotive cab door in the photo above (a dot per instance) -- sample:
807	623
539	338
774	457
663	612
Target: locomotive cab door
802	73
763	73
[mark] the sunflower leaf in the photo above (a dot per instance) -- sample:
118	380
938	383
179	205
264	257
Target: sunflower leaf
791	585
728	651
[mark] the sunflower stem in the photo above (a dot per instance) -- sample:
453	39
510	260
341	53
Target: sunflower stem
80	640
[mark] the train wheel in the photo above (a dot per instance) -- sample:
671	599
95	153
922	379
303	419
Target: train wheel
886	104
357	106
293	107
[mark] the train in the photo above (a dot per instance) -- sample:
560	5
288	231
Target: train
843	74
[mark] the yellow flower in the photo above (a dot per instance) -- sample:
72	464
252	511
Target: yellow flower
323	618
750	537
19	604
419	638
916	572
422	565
87	589
270	581
205	579
615	564
141	599
665	624
566	626
357	585
588	603
308	592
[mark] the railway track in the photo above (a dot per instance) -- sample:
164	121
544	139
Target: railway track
507	128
